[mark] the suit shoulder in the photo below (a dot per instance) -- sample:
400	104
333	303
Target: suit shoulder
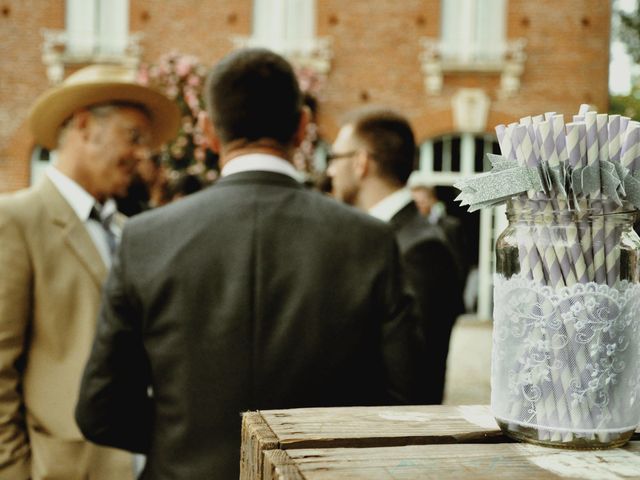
159	223
17	203
418	233
342	213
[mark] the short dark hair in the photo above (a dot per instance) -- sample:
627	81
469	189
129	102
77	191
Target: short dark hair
253	94
389	138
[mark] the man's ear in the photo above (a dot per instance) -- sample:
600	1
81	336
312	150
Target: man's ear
81	121
212	140
362	164
301	132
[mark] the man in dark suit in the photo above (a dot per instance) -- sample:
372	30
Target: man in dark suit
254	293
373	156
430	207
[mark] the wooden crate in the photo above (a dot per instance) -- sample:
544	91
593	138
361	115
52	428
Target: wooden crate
360	427
454	461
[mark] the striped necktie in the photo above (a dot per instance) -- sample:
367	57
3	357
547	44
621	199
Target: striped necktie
105	222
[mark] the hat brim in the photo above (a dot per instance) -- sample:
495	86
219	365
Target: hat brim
58	104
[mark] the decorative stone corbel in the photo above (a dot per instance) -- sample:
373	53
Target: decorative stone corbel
434	64
57	54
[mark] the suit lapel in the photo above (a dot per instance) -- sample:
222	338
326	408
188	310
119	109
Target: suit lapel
67	224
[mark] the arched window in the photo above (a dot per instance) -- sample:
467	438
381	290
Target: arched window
449	157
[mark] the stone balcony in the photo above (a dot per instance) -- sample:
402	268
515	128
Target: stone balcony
58	53
508	62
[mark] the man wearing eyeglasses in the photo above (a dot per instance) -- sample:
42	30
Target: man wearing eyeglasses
372	158
56	243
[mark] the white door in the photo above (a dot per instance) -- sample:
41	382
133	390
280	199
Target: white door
446	160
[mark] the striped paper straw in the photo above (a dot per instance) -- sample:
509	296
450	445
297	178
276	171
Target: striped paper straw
576	135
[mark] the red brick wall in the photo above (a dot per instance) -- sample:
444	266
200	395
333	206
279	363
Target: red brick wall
375	58
567	60
22	78
198	28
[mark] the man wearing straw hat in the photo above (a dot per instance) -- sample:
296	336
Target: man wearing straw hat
373	156
57	238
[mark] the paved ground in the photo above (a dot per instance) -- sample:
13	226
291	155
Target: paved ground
469	364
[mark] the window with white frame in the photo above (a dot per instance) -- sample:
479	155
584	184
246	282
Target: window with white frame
284	25
473	31
97	26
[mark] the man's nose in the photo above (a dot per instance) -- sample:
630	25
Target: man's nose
142	153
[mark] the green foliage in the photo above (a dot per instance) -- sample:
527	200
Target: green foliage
627	105
628	31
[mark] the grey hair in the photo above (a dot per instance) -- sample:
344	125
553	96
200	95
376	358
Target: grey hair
101	111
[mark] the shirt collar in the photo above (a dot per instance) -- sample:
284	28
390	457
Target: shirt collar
77	197
262	162
386	208
436	213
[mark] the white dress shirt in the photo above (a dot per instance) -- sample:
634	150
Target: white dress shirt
262	162
82	202
386	208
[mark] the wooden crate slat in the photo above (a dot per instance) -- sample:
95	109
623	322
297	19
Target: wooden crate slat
382	426
277	465
257	437
478	461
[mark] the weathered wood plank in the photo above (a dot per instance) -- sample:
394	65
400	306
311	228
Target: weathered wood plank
362	427
473	461
277	465
382	426
257	437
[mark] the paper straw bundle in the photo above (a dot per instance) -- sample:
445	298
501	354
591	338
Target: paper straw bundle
584	169
563	180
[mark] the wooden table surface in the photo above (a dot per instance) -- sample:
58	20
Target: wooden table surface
407	442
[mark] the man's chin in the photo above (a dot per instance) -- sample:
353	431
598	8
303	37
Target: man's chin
121	191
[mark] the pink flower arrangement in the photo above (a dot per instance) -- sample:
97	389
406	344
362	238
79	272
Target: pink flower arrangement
181	77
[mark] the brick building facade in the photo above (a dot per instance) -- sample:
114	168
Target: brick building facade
548	56
375	49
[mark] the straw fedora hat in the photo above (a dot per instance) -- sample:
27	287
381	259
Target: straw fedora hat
100	84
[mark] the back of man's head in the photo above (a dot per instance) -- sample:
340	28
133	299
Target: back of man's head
390	140
253	94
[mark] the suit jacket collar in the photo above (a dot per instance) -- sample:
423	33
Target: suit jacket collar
406	215
390	205
66	221
260	161
259	177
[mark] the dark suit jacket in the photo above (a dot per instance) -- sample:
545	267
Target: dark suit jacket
454	235
253	294
433	278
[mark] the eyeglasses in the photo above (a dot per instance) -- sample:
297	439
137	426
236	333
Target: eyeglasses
334	156
137	138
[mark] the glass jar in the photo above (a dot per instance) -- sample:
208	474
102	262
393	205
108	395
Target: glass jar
566	335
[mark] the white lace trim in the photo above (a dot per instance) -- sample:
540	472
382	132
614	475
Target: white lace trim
566	359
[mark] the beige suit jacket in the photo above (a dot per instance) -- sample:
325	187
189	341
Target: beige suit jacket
50	279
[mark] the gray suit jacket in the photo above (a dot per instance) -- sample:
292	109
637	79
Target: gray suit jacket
253	294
